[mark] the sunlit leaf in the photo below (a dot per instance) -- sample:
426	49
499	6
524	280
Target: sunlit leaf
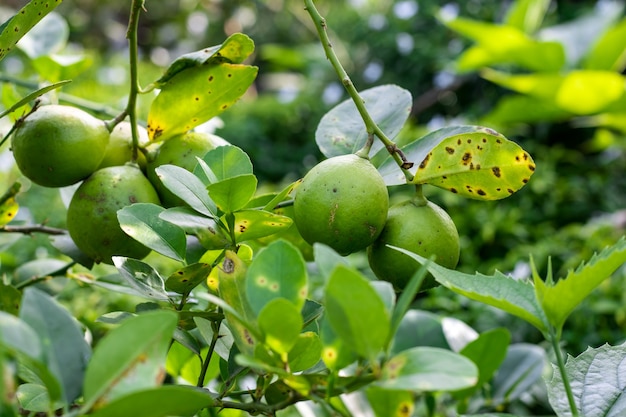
609	52
232	194
200	93
281	323
342	130
559	299
527	15
253	224
130	358
225	162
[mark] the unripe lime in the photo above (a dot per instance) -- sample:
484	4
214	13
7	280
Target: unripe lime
120	148
57	145
181	151
92	213
421	227
342	202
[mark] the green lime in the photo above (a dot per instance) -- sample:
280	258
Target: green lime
421	227
342	202
57	145
92	213
120	148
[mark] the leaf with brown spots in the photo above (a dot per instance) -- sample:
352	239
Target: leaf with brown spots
195	95
186	279
23	21
8	210
253	224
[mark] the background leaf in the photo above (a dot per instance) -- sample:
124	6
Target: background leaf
342	131
596	377
356	313
522	368
277	271
141	221
200	93
66	353
428	369
130	358
388	403
142	277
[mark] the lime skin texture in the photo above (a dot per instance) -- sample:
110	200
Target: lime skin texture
92	213
342	202
421	227
59	145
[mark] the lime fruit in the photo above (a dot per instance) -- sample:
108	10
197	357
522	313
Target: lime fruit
418	226
120	148
342	202
58	145
92	213
181	151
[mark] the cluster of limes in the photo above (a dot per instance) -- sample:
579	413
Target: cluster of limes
59	146
343	202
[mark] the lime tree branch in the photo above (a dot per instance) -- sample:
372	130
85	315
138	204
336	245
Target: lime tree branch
371	126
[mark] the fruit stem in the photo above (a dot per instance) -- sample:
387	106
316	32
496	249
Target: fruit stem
419	199
131	108
370	125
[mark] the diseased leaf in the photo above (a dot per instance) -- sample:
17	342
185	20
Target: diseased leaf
22	22
200	93
141	277
253	224
558	300
186	279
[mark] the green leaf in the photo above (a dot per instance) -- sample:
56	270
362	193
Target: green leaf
254	224
59	67
419	328
327	259
163	401
225	162
186	279
235	49
527	15
130	358
513	296
597	380
390	403
487	352
356	312
559	299
513	109
206	229
277	271
18	336
520	370
187	187
342	130
428	369
141	221
224	341
336	353
200	93
609	52
306	352
141	277
10	299
35	398
66	353
22	22
232	194
31	96
281	323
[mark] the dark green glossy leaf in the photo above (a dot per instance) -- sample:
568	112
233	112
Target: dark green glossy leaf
163	401
22	22
356	313
342	130
427	369
277	271
200	93
187	187
142	277
130	358
141	221
232	194
66	353
186	279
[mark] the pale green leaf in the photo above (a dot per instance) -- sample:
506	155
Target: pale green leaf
609	52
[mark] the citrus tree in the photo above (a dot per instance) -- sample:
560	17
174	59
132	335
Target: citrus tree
238	301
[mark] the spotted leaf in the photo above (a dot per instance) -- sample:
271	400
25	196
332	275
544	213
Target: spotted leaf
195	95
186	279
8	210
253	224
